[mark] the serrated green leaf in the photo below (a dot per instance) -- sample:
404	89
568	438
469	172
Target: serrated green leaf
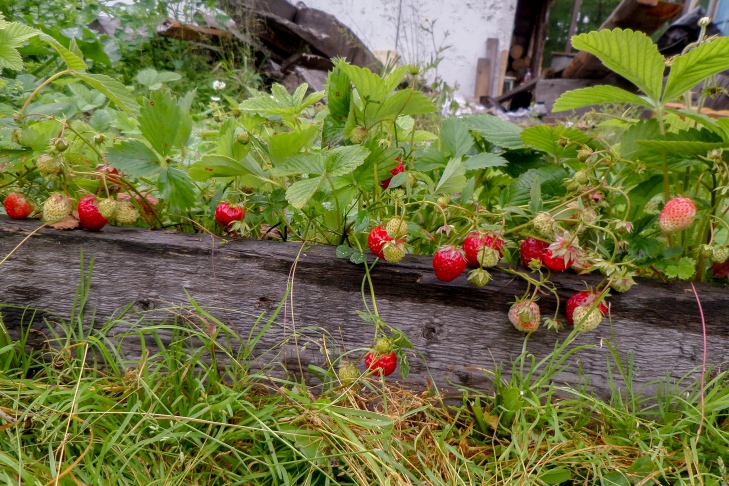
455	139
495	130
39	135
405	102
86	99
154	79
363	176
299	193
453	178
72	60
344	251
283	144
176	188
690	69
555	476
396	76
397	180
485	160
10	58
369	85
14	34
343	160
134	158
597	95
112	89
551	181
614	478
301	163
216	166
547	139
716	126
631	54
159	121
339	95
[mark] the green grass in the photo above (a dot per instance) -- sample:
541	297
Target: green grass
194	410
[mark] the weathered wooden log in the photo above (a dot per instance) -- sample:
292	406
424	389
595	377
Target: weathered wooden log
457	329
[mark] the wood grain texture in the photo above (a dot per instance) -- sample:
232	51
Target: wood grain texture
457	329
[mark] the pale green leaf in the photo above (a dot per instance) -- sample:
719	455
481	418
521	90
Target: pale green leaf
343	160
690	69
10	58
283	144
134	158
598	95
301	163
73	61
15	34
551	179
681	147
176	188
112	89
154	79
216	166
547	139
396	76
455	138
369	85
720	126
485	160
495	130
631	54
301	191
453	178
405	102
159	121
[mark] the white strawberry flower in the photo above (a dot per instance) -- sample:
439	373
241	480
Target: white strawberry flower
218	85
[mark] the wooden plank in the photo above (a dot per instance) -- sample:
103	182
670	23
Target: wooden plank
457	328
643	15
529	86
483	70
492	53
503	66
573	25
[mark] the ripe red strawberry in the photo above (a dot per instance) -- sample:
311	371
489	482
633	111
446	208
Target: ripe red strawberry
532	249
381	364
475	241
449	262
17	206
556	263
677	215
226	214
720	270
584	299
89	215
525	315
377	239
384	184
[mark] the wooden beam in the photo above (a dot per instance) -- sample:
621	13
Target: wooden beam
483	71
492	54
457	329
573	25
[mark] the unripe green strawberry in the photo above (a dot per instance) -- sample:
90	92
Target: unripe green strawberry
544	224
720	254
56	208
479	277
586	319
126	213
99	138
48	165
412	179
525	315
397	228
348	373
443	201
584	154
581	177
60	144
706	251
358	134
394	251
488	257
242	137
383	346
107	208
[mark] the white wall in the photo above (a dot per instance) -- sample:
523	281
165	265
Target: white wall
389	24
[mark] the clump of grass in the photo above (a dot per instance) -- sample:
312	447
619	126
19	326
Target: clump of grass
193	409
